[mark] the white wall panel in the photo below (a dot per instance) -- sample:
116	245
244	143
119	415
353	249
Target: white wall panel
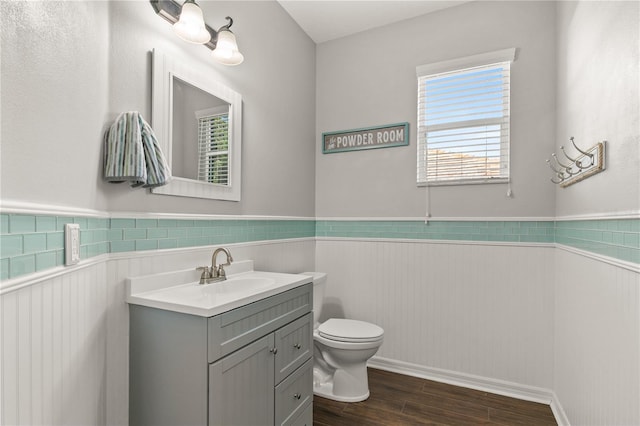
477	309
53	351
597	344
64	342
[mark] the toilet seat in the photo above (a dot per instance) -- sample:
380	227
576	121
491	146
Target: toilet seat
347	330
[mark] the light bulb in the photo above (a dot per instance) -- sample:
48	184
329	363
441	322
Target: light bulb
191	27
226	51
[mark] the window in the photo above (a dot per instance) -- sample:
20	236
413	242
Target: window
463	120
213	146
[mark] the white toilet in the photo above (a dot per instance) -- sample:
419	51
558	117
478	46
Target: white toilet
341	350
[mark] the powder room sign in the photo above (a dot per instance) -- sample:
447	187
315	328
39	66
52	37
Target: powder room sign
369	138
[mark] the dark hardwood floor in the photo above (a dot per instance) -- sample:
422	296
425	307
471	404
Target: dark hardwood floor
404	400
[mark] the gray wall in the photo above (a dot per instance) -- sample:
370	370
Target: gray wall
55	91
64	84
598	99
370	79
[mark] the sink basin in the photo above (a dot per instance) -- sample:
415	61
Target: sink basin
180	291
239	285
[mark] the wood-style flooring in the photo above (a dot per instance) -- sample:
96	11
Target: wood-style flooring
404	400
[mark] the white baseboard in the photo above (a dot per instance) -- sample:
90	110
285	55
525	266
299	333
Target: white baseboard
558	412
486	384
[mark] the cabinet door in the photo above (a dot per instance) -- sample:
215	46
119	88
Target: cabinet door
294	395
294	342
241	386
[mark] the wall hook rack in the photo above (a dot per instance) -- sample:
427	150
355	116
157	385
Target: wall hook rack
581	166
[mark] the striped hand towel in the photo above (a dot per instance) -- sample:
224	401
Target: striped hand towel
132	153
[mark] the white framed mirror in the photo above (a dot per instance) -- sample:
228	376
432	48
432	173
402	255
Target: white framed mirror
198	123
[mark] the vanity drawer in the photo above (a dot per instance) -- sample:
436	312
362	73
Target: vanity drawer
294	343
294	395
305	418
232	330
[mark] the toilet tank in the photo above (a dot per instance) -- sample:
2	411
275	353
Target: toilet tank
319	280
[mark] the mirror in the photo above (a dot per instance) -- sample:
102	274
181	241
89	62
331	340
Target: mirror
198	123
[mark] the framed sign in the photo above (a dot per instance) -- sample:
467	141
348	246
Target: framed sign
369	138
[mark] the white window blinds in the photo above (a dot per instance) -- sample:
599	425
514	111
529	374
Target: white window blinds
213	148
463	125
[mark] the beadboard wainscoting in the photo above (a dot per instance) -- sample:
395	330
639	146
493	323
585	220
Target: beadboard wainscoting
475	309
65	340
54	350
597	340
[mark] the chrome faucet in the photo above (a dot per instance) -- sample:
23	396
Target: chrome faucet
215	273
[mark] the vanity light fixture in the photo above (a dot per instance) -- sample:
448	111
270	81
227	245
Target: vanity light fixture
189	25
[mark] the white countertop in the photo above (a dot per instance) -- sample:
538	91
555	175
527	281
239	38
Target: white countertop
179	291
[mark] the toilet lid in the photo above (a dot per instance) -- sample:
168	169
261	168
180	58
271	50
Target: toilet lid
346	330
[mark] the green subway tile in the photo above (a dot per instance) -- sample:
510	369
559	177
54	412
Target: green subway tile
187	242
592	235
176	232
97	249
21	265
98	223
617	238
135	234
146	245
157	233
82	221
121	246
545	238
167	243
167	223
628	254
115	234
86	237
100	235
4	223
45	260
123	223
209	231
34	243
624	225
84	252
19	224
225	239
146	223
45	223
61	221
11	245
4	269
194	232
631	240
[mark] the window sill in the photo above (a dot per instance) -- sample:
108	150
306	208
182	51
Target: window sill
464	182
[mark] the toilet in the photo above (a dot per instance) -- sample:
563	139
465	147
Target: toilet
341	350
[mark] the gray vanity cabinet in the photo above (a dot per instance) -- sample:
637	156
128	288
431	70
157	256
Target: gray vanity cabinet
249	366
241	385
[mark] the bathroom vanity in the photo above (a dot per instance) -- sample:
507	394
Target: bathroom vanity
236	354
